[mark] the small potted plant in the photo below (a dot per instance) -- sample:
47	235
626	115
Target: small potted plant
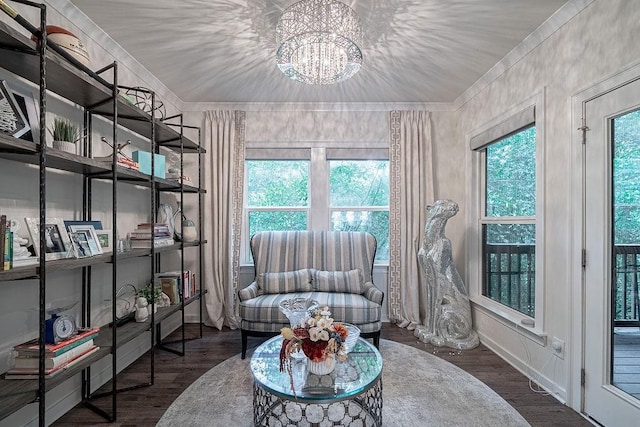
151	293
65	135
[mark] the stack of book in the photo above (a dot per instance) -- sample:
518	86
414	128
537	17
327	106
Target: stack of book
58	357
177	284
142	236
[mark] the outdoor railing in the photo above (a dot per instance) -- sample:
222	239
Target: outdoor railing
509	272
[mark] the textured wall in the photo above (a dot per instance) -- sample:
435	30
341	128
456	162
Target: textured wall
593	45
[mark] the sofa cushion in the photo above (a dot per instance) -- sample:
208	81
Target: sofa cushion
285	282
350	282
350	308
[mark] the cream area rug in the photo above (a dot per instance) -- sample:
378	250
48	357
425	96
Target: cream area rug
419	389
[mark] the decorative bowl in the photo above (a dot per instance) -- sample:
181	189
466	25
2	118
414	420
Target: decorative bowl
352	337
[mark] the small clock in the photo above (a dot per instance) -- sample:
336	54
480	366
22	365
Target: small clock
59	328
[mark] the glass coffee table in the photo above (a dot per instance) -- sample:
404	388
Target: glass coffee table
351	394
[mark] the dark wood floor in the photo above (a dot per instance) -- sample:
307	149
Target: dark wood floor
144	407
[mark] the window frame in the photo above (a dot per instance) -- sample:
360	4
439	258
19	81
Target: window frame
319	156
493	131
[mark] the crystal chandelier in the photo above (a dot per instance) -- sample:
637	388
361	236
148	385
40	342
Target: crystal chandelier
319	42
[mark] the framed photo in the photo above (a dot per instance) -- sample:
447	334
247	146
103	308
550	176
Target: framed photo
58	244
97	225
105	239
92	238
80	242
12	120
28	102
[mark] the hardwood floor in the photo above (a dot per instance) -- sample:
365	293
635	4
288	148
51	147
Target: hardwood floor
145	406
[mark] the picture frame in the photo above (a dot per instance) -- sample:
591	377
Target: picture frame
29	103
59	244
80	242
97	225
105	239
90	234
12	120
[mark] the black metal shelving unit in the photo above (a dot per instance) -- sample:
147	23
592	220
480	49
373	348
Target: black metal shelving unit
57	73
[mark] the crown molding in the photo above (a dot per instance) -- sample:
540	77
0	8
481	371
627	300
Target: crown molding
318	106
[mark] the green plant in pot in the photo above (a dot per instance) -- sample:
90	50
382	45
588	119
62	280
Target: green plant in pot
65	135
151	293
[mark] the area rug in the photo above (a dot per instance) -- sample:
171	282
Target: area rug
418	389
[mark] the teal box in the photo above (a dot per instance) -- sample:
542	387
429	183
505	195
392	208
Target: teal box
144	158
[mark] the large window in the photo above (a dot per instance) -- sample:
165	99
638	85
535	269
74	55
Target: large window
509	221
318	193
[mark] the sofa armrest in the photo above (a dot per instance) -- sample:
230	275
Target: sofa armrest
372	293
249	292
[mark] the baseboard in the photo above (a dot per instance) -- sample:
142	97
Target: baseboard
547	384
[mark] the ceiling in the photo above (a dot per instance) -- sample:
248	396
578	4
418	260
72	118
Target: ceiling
224	50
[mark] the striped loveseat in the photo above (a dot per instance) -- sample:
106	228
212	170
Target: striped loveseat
332	267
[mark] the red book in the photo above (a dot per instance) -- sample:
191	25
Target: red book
32	348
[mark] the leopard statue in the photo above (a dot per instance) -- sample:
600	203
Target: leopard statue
448	312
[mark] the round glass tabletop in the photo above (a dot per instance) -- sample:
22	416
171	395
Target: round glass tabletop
350	378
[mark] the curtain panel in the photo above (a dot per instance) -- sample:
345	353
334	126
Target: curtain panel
224	137
411	168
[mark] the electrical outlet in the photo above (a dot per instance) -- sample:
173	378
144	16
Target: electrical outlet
557	345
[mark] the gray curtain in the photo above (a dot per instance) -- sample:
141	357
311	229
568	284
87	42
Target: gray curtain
223	175
411	168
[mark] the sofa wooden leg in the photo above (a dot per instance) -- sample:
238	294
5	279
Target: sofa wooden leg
376	340
244	344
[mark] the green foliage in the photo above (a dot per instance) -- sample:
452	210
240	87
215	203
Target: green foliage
149	292
284	187
65	130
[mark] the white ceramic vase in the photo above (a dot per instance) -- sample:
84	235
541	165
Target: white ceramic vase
324	367
69	147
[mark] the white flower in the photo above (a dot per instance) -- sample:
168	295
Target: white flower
325	311
315	333
311	322
324	323
323	335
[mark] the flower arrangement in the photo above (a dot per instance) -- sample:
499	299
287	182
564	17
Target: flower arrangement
319	338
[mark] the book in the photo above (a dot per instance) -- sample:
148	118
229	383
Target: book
158	243
31	348
169	286
33	374
3	227
32	362
8	249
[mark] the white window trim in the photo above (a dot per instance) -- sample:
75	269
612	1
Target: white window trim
318	158
476	198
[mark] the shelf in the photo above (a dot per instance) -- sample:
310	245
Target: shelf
131	330
14	394
81	88
94	94
23	151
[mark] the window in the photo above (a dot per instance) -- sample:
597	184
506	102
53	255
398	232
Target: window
506	260
277	195
508	223
359	199
327	190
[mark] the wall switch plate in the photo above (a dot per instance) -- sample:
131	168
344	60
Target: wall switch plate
557	345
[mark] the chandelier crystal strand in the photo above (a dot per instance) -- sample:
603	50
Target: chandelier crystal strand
319	42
